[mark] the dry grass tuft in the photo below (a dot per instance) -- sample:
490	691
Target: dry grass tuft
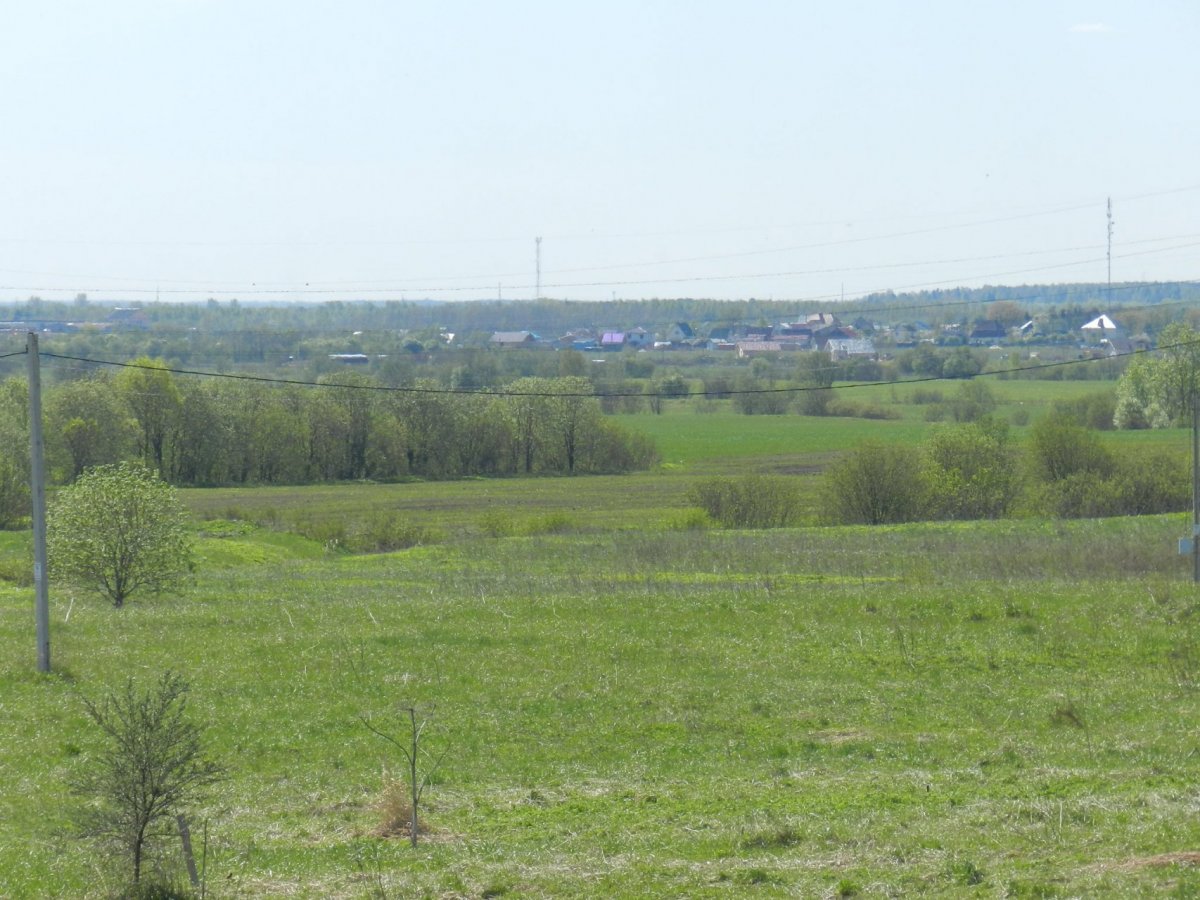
1178	858
395	811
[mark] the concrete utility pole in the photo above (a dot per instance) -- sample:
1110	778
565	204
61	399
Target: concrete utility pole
1196	488
37	495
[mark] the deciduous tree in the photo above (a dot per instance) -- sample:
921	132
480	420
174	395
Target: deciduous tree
119	529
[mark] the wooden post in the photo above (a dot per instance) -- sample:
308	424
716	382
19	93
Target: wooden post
185	835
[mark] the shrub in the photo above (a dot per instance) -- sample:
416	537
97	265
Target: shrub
926	396
14	492
815	402
972	471
1156	481
496	523
754	397
852	410
752	501
610	449
972	402
1151	482
876	484
1059	449
550	523
1096	410
385	532
153	765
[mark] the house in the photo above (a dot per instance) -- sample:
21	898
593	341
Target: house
680	332
639	338
509	340
720	334
987	332
795	330
862	323
1101	325
844	348
748	349
350	359
822	320
795	341
580	339
612	340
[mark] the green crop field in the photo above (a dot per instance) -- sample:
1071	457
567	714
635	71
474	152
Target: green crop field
625	705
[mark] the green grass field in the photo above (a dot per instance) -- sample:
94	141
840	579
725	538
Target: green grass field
630	708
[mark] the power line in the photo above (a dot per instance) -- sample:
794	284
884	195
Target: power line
254	291
262	379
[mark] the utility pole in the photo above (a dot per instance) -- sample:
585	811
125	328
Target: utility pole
1196	488
1110	230
38	497
538	290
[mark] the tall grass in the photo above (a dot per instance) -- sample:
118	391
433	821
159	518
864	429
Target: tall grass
655	712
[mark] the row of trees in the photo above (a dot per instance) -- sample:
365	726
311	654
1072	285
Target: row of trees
976	471
209	431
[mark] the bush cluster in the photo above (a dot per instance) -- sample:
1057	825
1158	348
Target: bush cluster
974	471
752	501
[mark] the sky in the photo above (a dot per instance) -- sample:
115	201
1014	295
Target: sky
388	150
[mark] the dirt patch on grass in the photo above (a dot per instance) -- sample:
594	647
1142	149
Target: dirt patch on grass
1178	858
836	737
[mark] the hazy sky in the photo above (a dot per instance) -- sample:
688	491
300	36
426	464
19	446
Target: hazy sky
661	148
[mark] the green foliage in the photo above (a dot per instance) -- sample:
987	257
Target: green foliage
752	501
87	424
14	491
1076	476
971	471
672	386
119	530
1095	410
151	768
961	363
1142	483
972	402
851	409
924	359
876	484
209	432
1059	449
1160	390
14	453
755	397
152	396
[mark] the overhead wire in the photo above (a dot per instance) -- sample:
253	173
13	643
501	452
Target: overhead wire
319	287
262	379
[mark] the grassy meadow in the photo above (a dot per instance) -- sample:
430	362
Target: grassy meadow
626	705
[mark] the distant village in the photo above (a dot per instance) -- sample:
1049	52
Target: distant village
827	333
821	331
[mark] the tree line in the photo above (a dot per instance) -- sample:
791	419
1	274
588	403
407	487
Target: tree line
221	431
